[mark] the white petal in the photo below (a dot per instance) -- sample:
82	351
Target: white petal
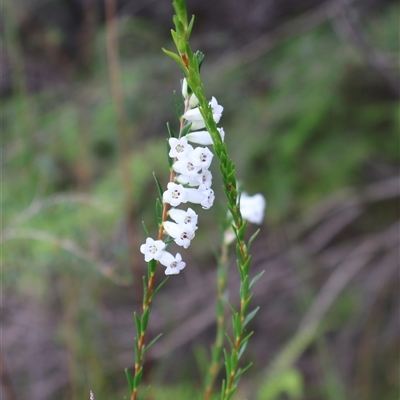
252	207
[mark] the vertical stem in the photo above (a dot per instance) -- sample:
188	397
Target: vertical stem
215	364
123	130
150	284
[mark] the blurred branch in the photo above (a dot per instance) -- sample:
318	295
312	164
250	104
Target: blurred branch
66	244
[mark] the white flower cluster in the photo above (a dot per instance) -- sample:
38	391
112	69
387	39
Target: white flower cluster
192	184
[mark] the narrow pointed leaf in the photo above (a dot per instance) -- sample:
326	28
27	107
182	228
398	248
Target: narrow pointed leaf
145	229
138	325
253	236
129	379
255	279
159	187
186	129
250	316
159	286
159	211
151	343
178	104
171	133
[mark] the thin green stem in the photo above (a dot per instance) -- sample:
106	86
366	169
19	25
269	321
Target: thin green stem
215	363
189	63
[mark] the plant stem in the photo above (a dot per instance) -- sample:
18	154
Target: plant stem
150	282
215	364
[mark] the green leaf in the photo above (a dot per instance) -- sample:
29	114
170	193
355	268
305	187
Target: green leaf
171	133
242	348
175	57
151	343
141	397
228	366
159	211
159	287
159	187
189	28
200	57
144	290
253	236
145	229
178	105
138	325
129	379
136	346
186	129
250	316
242	371
138	377
256	278
145	318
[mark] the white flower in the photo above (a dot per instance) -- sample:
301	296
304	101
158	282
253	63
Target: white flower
175	195
173	264
184	218
194	116
152	249
179	147
187	166
193	101
252	207
202	195
216	109
203	178
203	137
182	235
202	156
209	198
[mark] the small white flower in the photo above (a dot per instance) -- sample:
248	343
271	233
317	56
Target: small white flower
202	195
194	116
179	147
204	137
193	101
173	264
187	166
203	178
182	235
152	249
209	198
202	157
184	218
175	194
216	109
252	207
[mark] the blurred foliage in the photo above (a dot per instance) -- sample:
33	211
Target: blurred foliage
305	120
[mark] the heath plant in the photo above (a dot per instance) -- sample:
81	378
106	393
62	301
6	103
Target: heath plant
190	185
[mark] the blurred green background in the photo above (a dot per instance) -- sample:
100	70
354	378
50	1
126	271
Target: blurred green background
310	91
